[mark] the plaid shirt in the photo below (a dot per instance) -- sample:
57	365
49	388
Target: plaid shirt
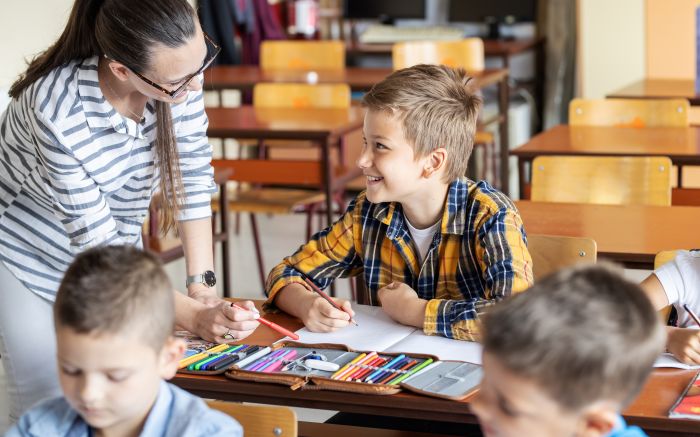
479	256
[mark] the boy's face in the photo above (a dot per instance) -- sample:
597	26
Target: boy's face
388	161
510	406
112	380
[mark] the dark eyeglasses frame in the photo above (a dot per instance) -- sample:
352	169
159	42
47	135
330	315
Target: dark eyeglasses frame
178	91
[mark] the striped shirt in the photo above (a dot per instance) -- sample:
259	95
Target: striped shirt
479	256
75	174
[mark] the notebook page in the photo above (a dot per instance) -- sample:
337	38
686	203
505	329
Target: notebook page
375	331
668	360
443	348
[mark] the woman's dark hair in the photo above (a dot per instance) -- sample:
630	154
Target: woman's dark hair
126	31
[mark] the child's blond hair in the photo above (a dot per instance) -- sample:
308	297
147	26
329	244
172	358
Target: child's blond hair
436	108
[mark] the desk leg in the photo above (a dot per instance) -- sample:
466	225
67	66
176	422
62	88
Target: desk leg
503	132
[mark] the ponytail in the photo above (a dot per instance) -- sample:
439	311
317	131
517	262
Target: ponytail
167	161
77	41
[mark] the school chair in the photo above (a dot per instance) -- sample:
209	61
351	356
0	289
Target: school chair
605	180
260	420
467	53
263	187
660	259
302	55
635	113
168	248
551	253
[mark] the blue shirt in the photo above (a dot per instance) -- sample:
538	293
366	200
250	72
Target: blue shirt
175	413
624	430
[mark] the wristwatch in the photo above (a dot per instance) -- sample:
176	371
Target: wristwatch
208	278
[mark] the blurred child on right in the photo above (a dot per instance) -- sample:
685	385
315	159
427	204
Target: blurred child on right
114	317
567	356
677	283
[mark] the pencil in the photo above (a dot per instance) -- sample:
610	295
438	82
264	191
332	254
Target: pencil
270	324
194	358
345	367
691	314
327	298
415	369
393	375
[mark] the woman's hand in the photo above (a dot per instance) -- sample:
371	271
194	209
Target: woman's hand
222	323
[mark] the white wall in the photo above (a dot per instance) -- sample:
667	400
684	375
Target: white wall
28	27
611	36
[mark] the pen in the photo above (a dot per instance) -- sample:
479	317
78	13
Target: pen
691	314
327	298
270	324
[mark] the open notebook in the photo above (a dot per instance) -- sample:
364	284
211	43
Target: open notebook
377	332
668	360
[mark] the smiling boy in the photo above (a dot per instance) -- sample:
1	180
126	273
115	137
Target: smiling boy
434	248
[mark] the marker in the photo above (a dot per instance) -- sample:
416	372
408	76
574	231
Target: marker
278	361
197	357
263	360
239	353
270	324
327	298
198	365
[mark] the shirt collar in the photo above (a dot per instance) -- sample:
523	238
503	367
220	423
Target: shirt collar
159	416
99	113
454	215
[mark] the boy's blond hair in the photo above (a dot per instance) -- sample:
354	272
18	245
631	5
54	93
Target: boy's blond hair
582	335
115	290
436	108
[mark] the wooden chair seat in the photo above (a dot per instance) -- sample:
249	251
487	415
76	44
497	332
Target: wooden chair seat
260	420
271	200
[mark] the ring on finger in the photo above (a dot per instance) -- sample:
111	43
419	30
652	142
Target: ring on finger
228	335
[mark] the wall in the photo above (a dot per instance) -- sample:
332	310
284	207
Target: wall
670	38
611	36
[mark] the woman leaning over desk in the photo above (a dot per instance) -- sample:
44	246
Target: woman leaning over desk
110	113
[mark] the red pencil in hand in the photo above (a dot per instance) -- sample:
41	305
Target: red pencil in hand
270	324
327	297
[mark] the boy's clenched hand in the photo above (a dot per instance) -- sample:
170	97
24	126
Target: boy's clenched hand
402	304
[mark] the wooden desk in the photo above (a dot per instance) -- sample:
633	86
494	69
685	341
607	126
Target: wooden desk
649	410
659	89
324	127
680	144
244	77
631	235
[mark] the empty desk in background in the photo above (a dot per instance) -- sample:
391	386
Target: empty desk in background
663	89
681	144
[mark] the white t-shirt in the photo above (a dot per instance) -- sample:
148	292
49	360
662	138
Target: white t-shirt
422	238
681	281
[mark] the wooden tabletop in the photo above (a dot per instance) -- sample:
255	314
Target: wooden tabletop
628	234
283	123
650	409
681	144
660	89
492	47
244	77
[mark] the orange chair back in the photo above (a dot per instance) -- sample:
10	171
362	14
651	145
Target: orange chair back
302	55
271	171
636	113
466	53
297	95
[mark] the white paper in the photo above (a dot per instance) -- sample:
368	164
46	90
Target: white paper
375	331
378	332
668	360
444	348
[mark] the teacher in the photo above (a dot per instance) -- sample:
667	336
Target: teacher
109	114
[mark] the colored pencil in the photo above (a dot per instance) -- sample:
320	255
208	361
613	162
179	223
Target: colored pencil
345	367
327	298
371	367
691	314
386	366
411	372
388	370
270	324
358	365
197	357
393	375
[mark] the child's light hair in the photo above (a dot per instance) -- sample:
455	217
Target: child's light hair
436	108
583	335
116	290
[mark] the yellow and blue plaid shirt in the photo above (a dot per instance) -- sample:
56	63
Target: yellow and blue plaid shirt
479	256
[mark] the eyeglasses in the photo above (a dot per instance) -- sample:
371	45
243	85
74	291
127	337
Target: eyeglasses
213	50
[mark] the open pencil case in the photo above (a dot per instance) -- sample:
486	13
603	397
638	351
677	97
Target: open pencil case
216	359
379	372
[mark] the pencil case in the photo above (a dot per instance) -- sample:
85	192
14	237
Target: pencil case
215	359
447	379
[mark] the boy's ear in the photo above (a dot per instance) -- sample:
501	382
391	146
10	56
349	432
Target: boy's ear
598	420
435	162
170	356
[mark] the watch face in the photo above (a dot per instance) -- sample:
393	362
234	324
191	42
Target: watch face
209	278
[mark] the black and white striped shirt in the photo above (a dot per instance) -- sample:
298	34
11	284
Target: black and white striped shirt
74	173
